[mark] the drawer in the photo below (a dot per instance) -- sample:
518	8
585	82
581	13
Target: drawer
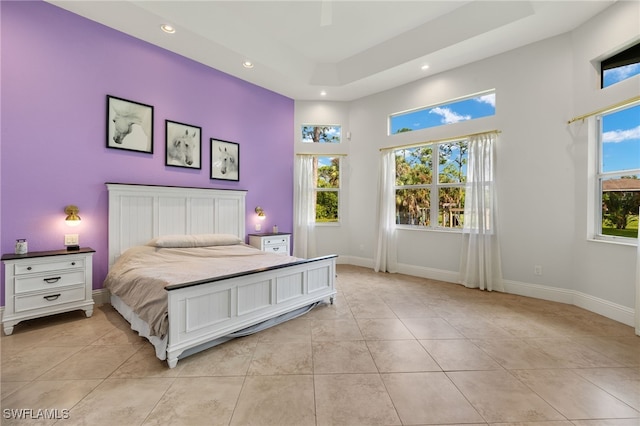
275	240
277	248
54	265
51	280
44	300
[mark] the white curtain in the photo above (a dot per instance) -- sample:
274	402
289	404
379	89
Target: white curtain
480	265
304	219
386	254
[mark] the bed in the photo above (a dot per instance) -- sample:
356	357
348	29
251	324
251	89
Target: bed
204	310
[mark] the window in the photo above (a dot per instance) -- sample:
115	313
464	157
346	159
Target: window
327	189
619	173
621	66
430	185
469	108
321	133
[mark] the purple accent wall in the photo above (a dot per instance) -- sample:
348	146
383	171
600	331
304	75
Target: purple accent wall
56	70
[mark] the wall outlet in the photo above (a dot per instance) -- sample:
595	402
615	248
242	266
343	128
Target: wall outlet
71	239
258	227
537	270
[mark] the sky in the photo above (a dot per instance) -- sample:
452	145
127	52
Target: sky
466	109
621	140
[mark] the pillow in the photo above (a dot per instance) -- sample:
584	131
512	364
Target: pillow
196	240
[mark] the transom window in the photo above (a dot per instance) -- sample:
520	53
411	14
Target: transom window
621	66
430	185
327	189
618	177
468	108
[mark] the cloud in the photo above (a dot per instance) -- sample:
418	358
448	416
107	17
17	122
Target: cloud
449	116
622	73
487	99
615	136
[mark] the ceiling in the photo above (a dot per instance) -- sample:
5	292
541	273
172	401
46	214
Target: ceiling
349	49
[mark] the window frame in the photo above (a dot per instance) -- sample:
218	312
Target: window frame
338	190
434	188
628	56
599	176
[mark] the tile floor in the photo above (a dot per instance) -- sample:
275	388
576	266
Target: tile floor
392	350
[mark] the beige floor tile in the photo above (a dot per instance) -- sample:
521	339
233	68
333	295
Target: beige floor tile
573	396
383	329
516	354
366	309
197	401
571	354
353	399
500	397
342	357
411	309
339	310
334	330
119	402
282	358
625	350
47	395
145	363
606	422
121	336
462	354
276	401
7	388
428	398
295	330
30	364
623	383
401	356
476	327
92	362
431	328
228	359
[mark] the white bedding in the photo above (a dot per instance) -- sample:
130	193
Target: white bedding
140	275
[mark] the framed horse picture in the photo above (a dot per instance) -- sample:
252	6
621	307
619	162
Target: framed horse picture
129	125
183	145
225	160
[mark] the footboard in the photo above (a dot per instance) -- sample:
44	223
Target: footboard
204	311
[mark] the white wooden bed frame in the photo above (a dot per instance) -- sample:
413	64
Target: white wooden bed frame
206	311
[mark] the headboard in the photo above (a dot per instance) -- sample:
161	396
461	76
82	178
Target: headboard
138	213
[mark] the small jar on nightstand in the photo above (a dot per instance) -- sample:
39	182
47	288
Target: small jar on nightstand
46	283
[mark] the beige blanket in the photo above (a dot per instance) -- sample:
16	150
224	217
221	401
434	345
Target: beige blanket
140	274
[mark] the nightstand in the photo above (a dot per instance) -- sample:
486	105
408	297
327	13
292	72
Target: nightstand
45	283
278	243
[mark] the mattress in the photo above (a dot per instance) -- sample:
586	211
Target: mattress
141	274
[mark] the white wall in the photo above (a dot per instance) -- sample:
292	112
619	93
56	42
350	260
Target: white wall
541	171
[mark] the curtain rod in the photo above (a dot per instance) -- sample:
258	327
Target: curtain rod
614	106
440	140
322	154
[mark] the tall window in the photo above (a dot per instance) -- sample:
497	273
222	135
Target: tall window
619	173
327	189
621	66
468	108
430	182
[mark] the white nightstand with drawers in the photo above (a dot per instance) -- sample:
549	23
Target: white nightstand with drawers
279	243
45	283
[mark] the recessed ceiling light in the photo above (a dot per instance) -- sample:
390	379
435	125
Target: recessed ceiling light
323	93
247	64
424	67
167	28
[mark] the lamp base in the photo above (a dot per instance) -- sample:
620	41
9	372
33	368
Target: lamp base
73	248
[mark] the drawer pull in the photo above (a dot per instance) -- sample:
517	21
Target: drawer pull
52	297
276	248
52	280
73	263
29	268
